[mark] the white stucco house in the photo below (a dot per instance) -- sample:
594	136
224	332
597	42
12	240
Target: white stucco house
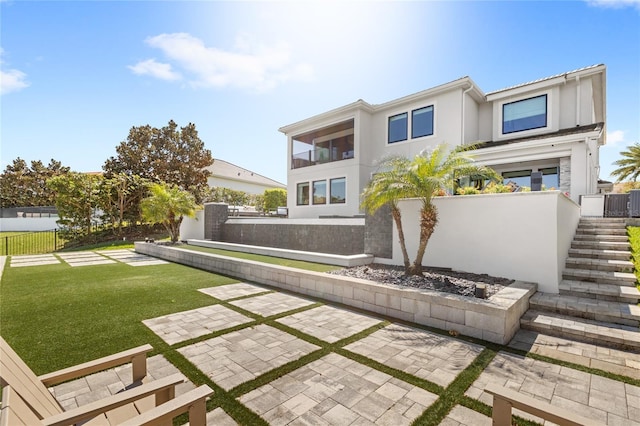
554	126
227	175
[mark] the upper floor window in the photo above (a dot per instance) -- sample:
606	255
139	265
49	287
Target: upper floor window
422	122
398	127
523	115
320	192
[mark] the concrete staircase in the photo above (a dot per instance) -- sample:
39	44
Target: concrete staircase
598	300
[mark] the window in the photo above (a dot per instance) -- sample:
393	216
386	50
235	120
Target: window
398	127
520	177
422	122
303	194
337	191
524	115
320	192
550	177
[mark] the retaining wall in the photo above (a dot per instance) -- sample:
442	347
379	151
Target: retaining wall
496	319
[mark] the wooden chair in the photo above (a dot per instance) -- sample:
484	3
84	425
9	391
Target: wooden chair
26	399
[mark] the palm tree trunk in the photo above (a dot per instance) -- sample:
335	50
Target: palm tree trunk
397	217
428	222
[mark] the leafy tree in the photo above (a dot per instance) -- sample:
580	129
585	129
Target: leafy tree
629	165
22	185
232	197
274	198
168	204
170	154
120	197
77	198
422	177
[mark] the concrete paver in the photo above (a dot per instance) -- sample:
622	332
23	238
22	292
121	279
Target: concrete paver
328	323
132	258
592	396
424	354
463	416
336	390
188	325
239	356
33	260
85	258
615	361
272	303
232	291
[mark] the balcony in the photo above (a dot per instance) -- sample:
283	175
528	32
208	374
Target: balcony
324	145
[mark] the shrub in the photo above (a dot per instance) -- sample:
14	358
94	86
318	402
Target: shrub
467	190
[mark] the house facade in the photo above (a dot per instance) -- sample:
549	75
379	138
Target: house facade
550	129
228	175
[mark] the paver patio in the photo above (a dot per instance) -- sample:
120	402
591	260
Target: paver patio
336	386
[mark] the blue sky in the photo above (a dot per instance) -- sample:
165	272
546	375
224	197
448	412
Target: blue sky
76	76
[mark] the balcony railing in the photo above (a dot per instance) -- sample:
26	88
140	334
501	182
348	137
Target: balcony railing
319	156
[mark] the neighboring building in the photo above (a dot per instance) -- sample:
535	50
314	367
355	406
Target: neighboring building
227	175
554	126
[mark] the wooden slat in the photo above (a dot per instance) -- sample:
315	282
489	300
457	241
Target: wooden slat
136	354
16	412
122	414
192	401
92	409
15	373
542	409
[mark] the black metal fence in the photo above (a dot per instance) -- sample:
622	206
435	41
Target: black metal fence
31	243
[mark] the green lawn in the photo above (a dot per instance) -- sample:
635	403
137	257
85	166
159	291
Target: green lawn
56	315
634	239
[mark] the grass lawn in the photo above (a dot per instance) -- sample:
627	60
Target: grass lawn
634	239
56	315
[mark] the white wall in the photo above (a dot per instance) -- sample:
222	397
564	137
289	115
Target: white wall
18	224
237	185
193	228
522	236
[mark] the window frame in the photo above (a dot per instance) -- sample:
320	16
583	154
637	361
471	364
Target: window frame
546	114
406	127
433	113
313	192
300	185
344	200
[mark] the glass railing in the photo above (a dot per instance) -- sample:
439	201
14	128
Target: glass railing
319	156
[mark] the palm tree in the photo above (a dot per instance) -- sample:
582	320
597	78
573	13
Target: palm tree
629	166
168	204
386	188
422	177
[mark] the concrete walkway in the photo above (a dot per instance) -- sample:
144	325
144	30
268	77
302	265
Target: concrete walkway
366	371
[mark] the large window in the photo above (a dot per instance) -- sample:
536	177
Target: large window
550	177
398	128
320	192
524	115
422	122
337	191
303	194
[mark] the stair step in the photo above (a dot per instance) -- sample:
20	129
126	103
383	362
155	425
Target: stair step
600	220
601	245
601	333
602	277
597	237
610	292
582	307
601	231
599	264
600	254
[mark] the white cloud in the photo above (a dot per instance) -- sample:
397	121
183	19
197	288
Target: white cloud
11	80
615	137
155	69
615	4
249	65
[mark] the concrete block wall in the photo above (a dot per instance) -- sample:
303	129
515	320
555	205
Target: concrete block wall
495	320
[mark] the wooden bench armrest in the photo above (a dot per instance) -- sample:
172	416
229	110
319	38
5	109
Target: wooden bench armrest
136	356
163	389
193	402
505	398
